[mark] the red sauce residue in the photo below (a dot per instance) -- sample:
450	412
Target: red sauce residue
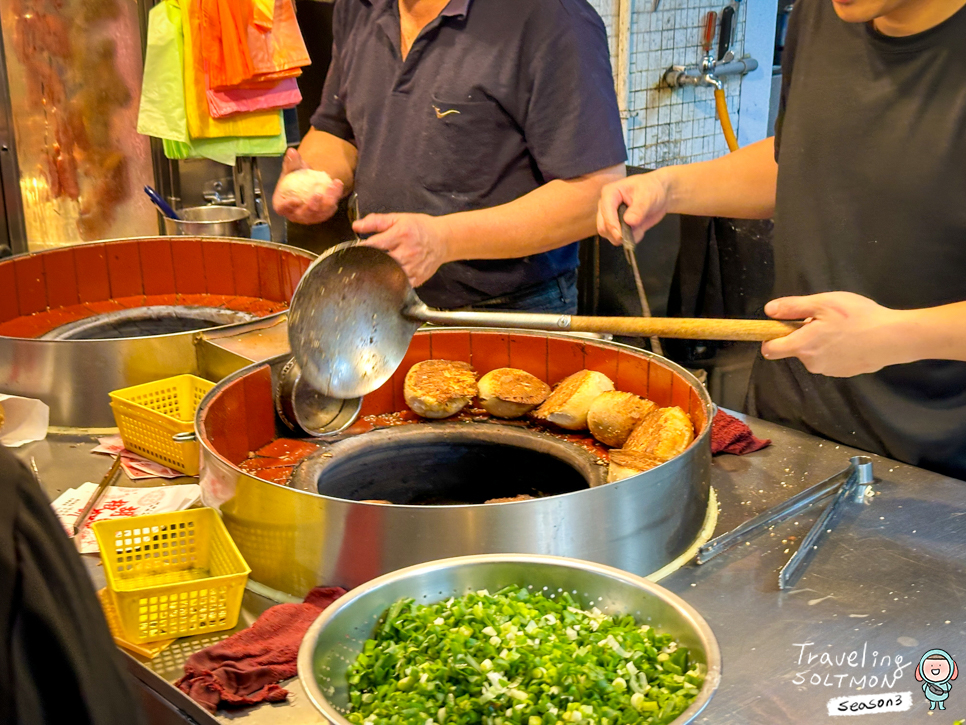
585	441
288	451
276	475
390	420
276	461
257	464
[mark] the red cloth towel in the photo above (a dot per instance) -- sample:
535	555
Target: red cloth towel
730	435
245	669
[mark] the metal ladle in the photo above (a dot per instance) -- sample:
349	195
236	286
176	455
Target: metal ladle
354	313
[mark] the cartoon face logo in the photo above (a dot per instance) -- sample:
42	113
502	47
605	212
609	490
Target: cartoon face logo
936	671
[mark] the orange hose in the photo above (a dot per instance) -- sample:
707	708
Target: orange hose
722	105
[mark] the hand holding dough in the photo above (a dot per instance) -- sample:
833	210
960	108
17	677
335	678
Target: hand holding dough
304	195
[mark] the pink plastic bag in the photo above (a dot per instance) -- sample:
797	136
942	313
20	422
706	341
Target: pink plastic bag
281	94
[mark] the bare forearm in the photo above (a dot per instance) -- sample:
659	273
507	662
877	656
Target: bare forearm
335	156
551	216
740	185
934	333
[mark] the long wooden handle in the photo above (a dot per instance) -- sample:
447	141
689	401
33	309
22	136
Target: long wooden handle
684	328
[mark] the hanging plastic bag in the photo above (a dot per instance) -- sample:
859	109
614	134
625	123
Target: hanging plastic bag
224	41
226	150
162	110
281	53
262	14
200	123
280	94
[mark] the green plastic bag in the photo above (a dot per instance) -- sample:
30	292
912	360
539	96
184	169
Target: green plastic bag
162	110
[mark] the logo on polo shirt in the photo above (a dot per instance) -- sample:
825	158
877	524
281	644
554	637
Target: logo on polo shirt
444	114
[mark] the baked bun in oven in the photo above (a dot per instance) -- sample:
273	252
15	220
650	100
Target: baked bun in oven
663	434
614	414
439	388
510	393
570	401
625	463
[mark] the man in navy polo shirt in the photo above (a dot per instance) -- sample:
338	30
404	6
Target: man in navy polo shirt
477	136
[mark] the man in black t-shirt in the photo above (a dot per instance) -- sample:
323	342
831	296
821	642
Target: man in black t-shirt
477	135
869	199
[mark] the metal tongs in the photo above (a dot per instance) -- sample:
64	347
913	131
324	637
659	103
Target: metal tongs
627	242
852	483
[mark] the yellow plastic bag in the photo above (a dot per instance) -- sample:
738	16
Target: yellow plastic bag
200	123
263	14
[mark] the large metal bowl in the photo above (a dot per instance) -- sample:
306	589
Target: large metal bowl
335	639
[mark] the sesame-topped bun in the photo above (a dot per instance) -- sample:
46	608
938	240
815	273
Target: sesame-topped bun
439	388
614	414
664	433
569	402
510	393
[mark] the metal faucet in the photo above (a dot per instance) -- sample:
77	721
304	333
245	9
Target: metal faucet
711	70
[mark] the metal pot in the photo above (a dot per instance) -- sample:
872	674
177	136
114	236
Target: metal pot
296	539
336	638
210	221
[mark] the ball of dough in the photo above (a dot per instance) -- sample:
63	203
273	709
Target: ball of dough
510	393
614	414
439	388
570	401
303	184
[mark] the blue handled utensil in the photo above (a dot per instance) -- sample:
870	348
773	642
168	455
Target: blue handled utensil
162	205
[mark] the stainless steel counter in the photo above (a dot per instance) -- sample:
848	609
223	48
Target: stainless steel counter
889	583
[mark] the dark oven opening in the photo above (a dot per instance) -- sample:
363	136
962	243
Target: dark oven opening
449	463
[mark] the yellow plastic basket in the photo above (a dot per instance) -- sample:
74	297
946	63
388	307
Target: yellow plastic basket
172	575
149	415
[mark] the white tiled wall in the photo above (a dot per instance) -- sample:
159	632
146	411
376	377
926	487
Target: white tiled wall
667	126
607	9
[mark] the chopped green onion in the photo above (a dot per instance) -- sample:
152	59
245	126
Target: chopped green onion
517	658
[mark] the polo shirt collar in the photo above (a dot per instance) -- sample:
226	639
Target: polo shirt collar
455	8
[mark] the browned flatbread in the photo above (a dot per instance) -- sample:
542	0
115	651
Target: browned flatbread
570	401
510	392
664	434
614	414
439	388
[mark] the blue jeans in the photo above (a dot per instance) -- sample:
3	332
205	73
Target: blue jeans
558	296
